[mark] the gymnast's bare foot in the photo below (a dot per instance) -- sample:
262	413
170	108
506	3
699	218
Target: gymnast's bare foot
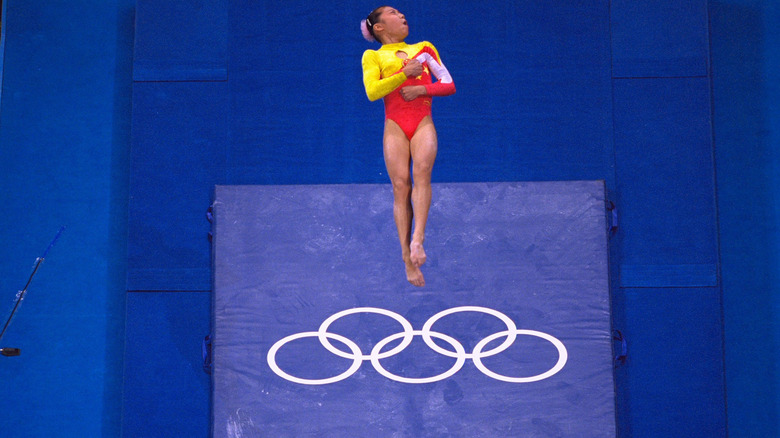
414	274
417	254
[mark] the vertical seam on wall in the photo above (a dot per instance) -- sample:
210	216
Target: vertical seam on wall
2	46
613	241
719	252
229	126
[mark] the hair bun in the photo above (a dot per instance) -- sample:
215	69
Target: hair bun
366	34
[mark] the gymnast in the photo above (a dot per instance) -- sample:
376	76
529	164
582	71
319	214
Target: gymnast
401	74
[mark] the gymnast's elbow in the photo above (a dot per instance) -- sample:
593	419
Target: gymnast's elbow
449	87
373	95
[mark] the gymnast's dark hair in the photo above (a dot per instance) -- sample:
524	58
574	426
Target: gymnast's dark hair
372	19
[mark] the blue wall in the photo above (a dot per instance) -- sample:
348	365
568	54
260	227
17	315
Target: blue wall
746	74
65	134
640	94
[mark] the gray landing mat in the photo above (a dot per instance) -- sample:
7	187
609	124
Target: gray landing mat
316	331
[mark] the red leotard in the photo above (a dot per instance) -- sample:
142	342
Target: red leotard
382	77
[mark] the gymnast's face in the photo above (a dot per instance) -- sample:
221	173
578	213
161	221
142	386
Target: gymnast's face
393	23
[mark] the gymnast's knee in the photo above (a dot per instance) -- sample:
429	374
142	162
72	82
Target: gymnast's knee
422	170
402	185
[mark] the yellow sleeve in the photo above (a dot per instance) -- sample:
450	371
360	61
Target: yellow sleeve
376	86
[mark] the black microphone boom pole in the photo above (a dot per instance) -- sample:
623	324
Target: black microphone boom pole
20	295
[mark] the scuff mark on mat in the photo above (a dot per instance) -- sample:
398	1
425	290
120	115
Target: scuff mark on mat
241	425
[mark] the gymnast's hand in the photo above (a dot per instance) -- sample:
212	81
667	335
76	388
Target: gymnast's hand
413	68
412	92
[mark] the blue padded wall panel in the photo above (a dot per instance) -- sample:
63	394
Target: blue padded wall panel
746	108
660	38
665	192
178	155
674	384
166	391
535	106
180	40
64	134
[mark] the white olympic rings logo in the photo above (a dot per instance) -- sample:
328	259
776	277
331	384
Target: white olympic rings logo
408	334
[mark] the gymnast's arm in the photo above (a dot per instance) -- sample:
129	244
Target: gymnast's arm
376	87
444	86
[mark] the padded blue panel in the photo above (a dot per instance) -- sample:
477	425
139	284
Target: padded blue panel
182	40
667	275
675	363
178	155
64	135
535	107
166	391
286	258
746	72
665	193
659	38
296	107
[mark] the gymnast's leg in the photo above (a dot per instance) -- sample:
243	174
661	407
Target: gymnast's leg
423	147
397	154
